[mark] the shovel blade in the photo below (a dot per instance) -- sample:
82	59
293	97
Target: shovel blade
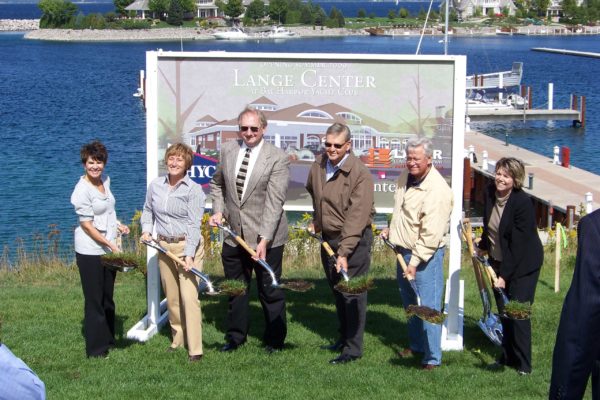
492	328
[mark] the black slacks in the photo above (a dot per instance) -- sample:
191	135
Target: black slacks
238	264
351	309
98	285
516	334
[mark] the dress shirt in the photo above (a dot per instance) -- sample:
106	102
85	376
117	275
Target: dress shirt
253	157
331	169
421	215
92	205
17	380
177	211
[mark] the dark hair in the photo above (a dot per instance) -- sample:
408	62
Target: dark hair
94	150
513	167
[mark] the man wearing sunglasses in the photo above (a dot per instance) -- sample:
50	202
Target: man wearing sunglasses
248	190
342	192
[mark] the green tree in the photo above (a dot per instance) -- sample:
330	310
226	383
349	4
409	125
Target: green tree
234	8
540	7
362	13
490	13
372	15
175	13
57	13
403	13
306	15
319	15
422	14
256	10
189	6
120	6
478	12
391	15
159	7
277	10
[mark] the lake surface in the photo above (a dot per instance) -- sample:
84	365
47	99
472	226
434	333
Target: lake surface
57	96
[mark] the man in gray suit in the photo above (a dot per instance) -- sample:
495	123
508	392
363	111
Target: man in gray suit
248	190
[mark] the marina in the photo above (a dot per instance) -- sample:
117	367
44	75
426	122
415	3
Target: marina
567	52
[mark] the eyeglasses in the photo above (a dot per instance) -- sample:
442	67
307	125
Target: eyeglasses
336	145
252	128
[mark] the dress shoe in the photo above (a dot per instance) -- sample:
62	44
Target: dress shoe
406	353
429	367
343	359
230	346
523	373
195	358
272	349
495	366
171	349
337	346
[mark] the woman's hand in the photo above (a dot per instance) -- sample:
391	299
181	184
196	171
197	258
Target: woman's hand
500	283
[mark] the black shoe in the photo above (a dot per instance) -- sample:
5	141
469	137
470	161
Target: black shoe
343	359
171	349
101	355
272	349
230	346
337	346
496	366
195	358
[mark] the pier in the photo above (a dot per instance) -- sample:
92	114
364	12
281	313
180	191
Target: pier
514	114
567	52
554	188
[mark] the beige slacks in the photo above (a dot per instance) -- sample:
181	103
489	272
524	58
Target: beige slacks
181	290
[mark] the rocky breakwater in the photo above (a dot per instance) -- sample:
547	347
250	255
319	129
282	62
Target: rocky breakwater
19	24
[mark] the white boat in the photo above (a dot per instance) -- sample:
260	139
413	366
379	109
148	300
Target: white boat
496	80
231	34
279	32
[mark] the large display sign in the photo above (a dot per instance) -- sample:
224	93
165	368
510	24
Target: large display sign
195	98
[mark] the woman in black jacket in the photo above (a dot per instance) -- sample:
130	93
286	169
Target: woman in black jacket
515	252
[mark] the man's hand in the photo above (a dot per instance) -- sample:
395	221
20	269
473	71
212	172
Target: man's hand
189	263
146	236
261	250
385	233
411	272
215	219
342	263
312	228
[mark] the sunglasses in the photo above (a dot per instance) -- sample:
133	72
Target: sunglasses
336	145
252	128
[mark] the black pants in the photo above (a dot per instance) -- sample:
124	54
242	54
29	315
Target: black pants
238	264
516	334
351	308
98	285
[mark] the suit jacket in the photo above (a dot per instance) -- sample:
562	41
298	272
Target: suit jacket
522	251
260	212
577	346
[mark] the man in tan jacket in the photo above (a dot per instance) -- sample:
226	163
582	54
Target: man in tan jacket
342	192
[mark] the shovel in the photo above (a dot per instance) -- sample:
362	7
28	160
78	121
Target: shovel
329	252
489	323
427	314
512	309
297	286
205	285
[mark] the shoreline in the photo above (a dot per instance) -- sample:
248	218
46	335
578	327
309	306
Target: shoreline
32	32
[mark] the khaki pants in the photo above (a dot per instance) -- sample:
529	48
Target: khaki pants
181	290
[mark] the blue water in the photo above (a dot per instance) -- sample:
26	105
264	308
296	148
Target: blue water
349	9
56	96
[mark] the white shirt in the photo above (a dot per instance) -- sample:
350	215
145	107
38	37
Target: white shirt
253	157
92	205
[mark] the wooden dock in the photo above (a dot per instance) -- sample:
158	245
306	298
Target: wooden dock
567	52
513	114
554	187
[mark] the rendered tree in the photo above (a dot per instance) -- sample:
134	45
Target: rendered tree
403	13
391	15
362	13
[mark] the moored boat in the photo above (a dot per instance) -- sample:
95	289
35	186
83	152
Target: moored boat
231	34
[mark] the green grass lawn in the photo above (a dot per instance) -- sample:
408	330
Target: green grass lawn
41	312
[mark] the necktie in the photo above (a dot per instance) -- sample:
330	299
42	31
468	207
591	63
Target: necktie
241	176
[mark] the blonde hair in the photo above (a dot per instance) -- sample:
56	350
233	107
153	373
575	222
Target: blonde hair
183	150
513	167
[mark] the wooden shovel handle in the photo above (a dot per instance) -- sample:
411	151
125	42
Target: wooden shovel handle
328	249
